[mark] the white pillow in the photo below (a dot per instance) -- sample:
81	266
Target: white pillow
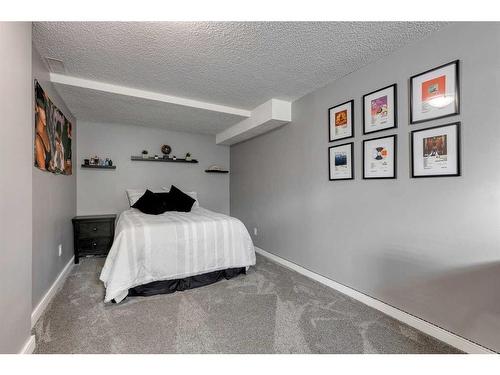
192	194
133	195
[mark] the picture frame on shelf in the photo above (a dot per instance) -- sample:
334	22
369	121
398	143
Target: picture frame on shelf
380	157
435	151
341	162
341	121
380	109
435	93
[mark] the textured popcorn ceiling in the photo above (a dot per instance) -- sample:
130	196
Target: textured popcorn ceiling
230	63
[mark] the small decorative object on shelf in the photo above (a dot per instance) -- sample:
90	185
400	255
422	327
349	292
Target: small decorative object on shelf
156	156
145	154
166	150
94	160
188	156
216	169
174	157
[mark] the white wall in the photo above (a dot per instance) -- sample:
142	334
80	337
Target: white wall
429	246
15	185
54	203
103	191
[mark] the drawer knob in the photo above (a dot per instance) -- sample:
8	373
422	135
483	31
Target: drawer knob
94	229
94	244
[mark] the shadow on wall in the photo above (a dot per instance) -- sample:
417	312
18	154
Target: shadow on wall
465	298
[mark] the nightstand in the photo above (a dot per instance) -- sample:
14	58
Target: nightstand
93	235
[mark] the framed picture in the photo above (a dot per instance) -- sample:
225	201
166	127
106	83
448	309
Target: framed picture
380	110
340	162
341	121
379	157
435	152
435	93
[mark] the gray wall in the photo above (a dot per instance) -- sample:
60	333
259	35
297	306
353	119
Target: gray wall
103	191
15	185
428	246
54	204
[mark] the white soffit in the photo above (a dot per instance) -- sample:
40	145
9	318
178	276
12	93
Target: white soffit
100	102
143	94
108	108
95	101
266	117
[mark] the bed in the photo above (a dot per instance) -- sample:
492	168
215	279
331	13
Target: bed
154	254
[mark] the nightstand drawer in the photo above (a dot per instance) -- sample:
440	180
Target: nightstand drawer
94	246
96	229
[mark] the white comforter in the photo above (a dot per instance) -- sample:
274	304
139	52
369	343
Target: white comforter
173	245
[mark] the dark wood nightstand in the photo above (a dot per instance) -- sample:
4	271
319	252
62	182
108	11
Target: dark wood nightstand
93	235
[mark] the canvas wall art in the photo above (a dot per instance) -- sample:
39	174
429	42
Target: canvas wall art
53	133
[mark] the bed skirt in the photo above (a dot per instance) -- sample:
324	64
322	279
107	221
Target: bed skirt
172	286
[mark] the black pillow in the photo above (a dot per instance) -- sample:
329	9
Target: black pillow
180	200
166	201
150	204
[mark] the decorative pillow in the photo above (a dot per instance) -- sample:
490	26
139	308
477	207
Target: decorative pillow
181	201
192	194
150	204
167	202
134	194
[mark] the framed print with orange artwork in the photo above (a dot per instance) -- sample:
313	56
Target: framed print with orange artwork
435	93
341	121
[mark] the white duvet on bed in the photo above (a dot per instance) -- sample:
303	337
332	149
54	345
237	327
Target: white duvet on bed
173	245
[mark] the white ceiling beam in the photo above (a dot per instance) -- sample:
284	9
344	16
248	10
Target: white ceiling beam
267	116
143	94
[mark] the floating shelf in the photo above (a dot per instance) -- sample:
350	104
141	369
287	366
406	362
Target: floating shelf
214	171
140	158
98	166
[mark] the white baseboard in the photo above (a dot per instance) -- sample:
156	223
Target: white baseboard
42	305
29	346
420	324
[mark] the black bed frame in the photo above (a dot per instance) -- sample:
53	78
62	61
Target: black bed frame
172	286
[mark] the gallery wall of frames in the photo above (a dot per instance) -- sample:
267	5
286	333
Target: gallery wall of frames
434	152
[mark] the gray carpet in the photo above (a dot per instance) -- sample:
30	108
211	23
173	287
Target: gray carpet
269	310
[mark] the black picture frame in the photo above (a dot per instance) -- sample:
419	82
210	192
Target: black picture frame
395	165
458	147
351	102
352	162
395	112
457	92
